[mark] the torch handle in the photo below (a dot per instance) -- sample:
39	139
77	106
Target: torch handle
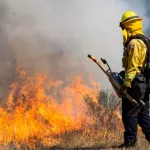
112	80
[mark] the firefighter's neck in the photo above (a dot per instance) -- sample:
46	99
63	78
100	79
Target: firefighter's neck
134	32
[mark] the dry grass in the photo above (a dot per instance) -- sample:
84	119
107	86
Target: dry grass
106	133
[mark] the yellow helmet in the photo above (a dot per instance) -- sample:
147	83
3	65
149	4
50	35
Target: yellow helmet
129	16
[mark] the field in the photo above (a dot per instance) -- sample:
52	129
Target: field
40	113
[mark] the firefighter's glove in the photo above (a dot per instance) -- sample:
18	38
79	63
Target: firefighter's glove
127	82
122	91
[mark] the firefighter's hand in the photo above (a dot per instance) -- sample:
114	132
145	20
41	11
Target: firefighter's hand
122	91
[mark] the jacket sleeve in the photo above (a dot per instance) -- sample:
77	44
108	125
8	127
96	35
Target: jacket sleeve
133	61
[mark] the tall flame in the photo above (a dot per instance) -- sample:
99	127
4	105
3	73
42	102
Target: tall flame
39	109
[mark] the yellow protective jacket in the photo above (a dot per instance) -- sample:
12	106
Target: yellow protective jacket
133	59
134	55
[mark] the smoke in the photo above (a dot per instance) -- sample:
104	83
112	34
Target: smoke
55	36
141	7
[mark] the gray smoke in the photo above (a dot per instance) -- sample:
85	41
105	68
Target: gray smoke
141	7
55	36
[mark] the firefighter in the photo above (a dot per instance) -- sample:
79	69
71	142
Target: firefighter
135	83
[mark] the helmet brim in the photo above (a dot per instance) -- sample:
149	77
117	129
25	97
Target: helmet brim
134	19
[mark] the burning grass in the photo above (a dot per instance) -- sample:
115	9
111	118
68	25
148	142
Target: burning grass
42	113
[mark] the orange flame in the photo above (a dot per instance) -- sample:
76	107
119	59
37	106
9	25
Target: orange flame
39	109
